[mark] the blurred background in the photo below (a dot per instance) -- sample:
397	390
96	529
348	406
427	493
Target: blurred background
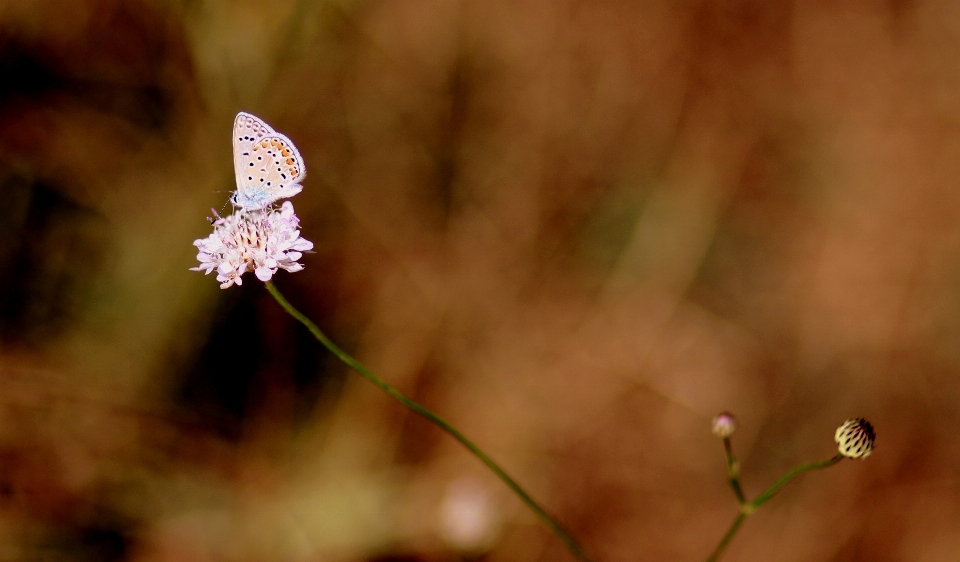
576	230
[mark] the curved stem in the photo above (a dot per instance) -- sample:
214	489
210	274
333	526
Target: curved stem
772	490
554	526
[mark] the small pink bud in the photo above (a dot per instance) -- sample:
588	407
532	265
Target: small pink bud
724	424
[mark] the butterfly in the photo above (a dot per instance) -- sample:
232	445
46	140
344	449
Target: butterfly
267	165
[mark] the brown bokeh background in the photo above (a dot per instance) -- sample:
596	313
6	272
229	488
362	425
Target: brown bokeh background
577	230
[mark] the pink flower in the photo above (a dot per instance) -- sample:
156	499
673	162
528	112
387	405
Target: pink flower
257	240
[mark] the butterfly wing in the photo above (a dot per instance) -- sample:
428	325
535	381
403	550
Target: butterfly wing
268	166
247	129
269	170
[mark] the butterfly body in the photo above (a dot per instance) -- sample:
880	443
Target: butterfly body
268	166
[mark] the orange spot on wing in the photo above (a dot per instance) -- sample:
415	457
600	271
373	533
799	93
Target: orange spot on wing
290	161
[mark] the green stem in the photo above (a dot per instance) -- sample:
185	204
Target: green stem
748	508
726	538
554	526
733	470
772	490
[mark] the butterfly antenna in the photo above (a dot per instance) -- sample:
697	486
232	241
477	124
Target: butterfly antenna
229	199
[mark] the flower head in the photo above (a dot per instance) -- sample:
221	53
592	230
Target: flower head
724	424
470	519
258	240
855	438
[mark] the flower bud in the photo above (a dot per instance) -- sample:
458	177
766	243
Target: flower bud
724	424
855	438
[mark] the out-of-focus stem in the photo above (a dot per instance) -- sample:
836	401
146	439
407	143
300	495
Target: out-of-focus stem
733	470
726	538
